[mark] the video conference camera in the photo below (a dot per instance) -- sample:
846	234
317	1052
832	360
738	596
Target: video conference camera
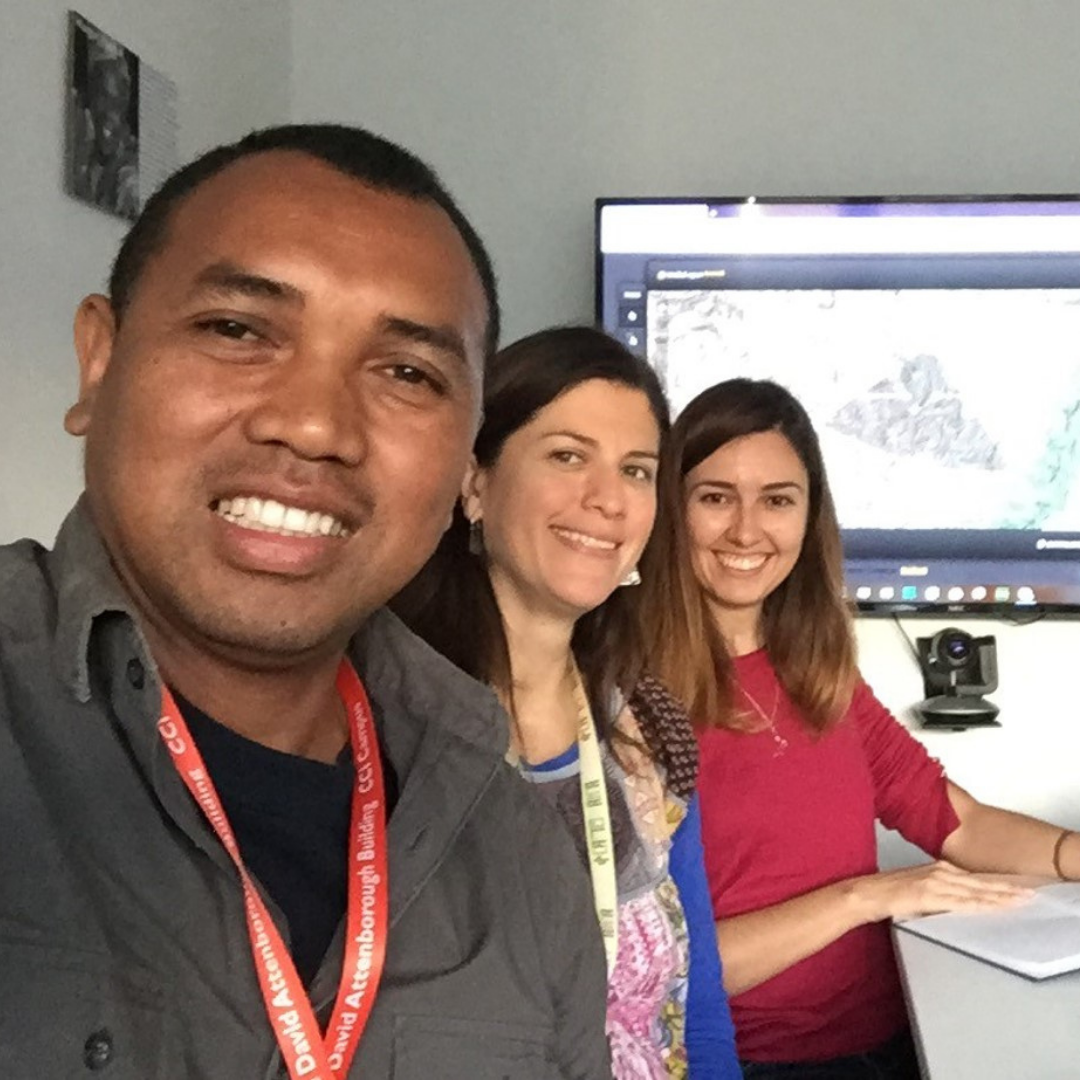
958	670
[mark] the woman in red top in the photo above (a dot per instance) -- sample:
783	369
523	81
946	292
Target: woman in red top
744	607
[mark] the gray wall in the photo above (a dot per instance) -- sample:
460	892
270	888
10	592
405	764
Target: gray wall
533	111
231	62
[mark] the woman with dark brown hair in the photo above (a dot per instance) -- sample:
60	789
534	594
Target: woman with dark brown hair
524	594
743	607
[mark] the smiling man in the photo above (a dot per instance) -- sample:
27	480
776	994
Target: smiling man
249	825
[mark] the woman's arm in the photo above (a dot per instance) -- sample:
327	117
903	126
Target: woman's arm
990	838
760	944
710	1035
911	795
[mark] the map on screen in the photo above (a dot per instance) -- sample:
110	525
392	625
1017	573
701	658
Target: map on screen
933	406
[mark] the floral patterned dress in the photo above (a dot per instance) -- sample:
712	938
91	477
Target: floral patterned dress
646	1016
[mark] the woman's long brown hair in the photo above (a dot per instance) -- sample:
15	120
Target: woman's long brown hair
451	603
806	627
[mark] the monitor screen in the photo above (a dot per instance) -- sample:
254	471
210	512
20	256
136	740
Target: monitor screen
935	344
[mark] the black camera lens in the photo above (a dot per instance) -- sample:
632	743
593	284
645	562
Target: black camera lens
953	648
958	648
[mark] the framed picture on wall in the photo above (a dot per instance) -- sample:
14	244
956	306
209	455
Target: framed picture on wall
102	160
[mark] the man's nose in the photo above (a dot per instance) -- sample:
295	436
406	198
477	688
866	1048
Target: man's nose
312	407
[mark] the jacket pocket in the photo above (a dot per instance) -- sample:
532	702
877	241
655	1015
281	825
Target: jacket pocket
72	1014
452	1049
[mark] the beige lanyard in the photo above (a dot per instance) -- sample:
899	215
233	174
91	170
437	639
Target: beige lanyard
597	815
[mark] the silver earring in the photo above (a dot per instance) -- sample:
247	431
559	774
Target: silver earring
476	537
633	577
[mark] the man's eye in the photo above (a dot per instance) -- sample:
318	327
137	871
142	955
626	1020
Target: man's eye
417	376
229	328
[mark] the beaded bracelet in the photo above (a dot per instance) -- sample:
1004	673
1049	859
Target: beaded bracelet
1065	833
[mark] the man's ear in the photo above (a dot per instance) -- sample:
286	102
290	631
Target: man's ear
95	335
472	490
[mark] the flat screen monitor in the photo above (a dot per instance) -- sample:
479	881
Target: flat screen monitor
935	343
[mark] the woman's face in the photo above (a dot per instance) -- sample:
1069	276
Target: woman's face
746	513
569	503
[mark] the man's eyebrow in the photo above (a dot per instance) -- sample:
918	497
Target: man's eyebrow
226	278
652	455
444	338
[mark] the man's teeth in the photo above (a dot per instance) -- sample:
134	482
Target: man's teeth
266	515
588	541
742	562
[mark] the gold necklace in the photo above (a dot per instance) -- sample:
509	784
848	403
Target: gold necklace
780	744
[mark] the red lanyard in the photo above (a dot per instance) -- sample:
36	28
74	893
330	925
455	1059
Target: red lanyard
307	1055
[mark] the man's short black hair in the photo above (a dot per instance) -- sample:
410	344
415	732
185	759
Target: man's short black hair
369	158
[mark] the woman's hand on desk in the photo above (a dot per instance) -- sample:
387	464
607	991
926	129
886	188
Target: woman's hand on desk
930	889
759	944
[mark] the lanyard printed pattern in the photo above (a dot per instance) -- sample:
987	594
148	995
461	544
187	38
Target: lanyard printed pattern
598	836
305	1052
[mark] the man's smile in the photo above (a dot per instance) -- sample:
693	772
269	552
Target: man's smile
269	515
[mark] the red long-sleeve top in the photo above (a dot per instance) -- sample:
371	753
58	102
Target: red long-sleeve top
785	811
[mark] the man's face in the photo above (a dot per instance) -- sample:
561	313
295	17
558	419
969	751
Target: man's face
278	428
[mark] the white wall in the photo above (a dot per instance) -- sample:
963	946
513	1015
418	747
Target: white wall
1032	762
531	111
232	66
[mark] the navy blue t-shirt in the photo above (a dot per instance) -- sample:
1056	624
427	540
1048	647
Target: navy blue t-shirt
290	816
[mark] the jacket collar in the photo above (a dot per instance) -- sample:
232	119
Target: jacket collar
405	679
86	589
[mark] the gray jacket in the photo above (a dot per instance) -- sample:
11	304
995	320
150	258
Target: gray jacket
123	943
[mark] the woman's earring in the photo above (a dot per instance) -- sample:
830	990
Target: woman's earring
633	577
476	537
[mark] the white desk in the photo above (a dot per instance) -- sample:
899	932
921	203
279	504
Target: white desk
973	1021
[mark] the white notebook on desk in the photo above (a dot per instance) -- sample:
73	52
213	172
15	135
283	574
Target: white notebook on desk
1038	939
